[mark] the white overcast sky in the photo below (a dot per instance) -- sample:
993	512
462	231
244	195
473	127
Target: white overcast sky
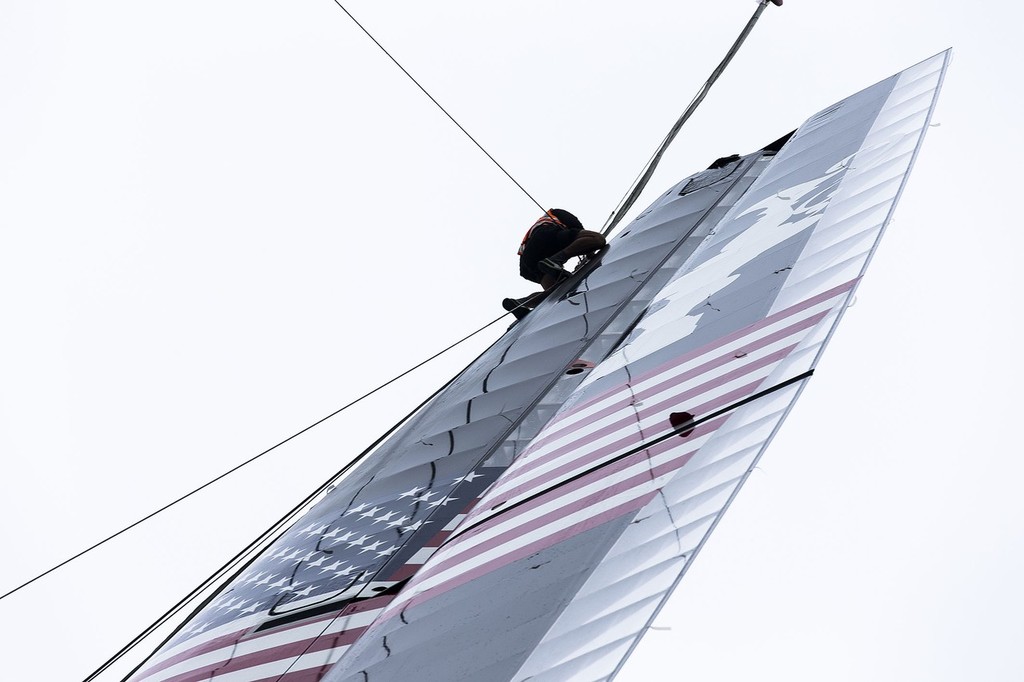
222	220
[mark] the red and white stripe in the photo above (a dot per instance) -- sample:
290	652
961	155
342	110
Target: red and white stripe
416	561
546	496
297	652
230	654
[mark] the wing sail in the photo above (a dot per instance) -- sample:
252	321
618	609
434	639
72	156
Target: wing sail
528	523
750	309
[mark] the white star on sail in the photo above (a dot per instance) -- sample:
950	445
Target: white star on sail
398	522
385	517
411	492
360	541
369	514
356	510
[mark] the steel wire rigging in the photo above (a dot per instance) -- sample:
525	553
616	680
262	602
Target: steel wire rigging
445	111
240	561
645	175
250	460
625	203
339	410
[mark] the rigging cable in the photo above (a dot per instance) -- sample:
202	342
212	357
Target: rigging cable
645	175
614	218
235	560
317	423
452	118
250	460
624	205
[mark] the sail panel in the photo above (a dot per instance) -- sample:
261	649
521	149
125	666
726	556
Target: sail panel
757	279
380	524
723	463
521	526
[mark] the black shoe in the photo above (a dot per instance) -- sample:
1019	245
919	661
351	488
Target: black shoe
516	307
553	268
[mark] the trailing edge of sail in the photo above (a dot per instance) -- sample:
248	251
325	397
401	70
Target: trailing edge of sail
523	526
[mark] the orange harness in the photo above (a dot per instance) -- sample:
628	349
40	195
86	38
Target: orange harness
545	219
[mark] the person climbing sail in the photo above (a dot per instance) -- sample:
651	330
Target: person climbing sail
552	240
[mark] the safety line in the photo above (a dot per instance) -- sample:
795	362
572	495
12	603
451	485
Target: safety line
452	118
250	460
641	181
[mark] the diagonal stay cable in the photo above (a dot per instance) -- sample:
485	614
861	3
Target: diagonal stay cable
198	590
645	175
438	104
248	461
248	551
320	421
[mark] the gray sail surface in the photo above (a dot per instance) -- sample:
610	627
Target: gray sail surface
602	527
521	525
297	609
845	209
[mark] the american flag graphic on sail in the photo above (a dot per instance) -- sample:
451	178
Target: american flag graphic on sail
550	501
573	477
293	613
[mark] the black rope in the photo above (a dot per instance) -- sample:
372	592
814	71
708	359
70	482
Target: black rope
248	461
438	104
641	181
317	423
624	205
291	514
